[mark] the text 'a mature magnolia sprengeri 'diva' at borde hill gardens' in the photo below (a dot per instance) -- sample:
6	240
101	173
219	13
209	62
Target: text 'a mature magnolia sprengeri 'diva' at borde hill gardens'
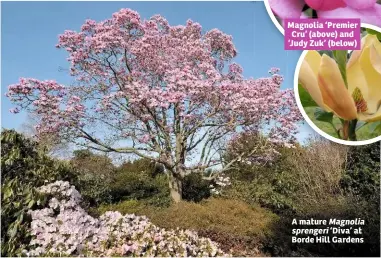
322	34
316	231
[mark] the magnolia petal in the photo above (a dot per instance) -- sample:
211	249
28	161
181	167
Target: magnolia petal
287	8
373	79
356	79
346	12
313	58
370	118
325	5
366	41
370	15
308	77
355	74
360	4
335	94
309	82
375	57
354	57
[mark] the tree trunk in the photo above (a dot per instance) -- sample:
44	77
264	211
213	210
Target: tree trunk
175	186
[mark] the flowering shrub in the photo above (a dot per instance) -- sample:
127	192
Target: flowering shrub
64	228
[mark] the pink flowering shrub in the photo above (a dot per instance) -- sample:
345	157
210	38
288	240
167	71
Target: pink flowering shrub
65	229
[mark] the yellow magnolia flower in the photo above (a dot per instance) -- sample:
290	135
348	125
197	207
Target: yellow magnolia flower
321	77
364	78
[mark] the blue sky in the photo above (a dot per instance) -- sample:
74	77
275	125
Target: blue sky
30	32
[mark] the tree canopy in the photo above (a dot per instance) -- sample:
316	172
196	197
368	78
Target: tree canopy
170	94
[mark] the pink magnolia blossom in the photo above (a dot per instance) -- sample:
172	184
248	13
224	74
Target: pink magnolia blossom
367	10
46	99
14	110
324	5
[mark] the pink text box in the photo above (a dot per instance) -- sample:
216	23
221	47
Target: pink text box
322	34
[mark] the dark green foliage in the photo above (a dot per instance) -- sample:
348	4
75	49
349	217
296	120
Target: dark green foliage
132	185
359	198
195	188
100	182
143	180
82	154
361	180
142	165
17	198
94	188
362	171
23	169
138	179
94	176
162	197
319	180
279	244
124	207
270	185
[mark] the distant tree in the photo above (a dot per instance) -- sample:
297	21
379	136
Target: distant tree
86	161
95	176
49	143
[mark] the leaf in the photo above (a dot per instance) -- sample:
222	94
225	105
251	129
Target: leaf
374	32
31	203
8	192
341	57
375	128
20	219
360	124
305	97
322	115
12	231
327	52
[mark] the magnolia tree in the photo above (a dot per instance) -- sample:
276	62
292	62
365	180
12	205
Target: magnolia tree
166	93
